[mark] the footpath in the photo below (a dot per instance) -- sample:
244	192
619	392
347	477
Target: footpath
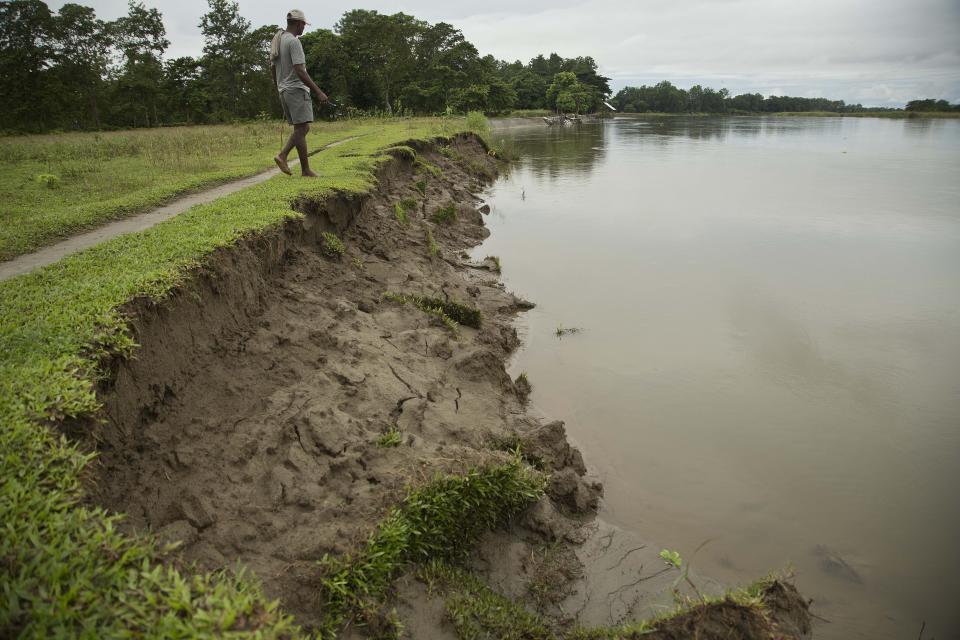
138	222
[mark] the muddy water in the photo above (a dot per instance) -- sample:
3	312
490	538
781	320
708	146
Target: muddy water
770	347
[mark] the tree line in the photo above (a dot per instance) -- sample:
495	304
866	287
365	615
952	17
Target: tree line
664	97
70	70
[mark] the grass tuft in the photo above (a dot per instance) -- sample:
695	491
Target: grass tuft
331	245
433	249
446	214
442	520
399	211
392	437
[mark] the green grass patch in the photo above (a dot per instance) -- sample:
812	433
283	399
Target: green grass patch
400	212
392	437
460	313
428	167
65	569
331	245
433	249
446	214
402	151
421	187
442	520
53	186
477	611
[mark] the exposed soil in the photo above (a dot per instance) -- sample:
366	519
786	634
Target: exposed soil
247	426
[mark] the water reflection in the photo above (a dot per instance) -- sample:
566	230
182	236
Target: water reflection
552	152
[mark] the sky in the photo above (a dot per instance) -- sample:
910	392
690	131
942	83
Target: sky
873	52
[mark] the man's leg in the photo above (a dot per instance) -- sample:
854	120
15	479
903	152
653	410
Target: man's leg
301	144
298	140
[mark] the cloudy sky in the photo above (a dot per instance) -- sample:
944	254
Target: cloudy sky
876	52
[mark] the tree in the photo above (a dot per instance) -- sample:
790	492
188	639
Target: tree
81	51
141	40
381	54
566	93
225	33
25	56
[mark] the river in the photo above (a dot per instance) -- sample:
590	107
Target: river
769	347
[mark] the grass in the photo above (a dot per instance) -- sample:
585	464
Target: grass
446	214
450	314
523	386
422	165
53	186
442	520
400	212
392	437
433	249
66	570
331	245
496	262
478	612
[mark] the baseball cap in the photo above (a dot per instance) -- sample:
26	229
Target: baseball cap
296	14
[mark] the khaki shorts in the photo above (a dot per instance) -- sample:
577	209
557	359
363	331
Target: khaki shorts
297	106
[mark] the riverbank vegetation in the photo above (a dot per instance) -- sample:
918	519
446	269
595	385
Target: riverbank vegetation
664	97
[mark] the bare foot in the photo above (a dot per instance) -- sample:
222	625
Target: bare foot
310	174
283	165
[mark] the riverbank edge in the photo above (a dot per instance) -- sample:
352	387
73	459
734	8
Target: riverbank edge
203	603
66	565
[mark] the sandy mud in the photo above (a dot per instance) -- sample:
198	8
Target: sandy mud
279	405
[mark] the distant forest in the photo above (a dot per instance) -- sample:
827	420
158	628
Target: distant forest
664	97
70	70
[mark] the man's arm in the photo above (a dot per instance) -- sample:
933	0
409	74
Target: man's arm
301	71
273	74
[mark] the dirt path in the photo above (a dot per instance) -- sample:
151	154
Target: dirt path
48	255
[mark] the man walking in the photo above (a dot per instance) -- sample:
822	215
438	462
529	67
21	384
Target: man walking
290	77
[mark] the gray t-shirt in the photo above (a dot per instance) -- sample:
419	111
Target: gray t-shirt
290	53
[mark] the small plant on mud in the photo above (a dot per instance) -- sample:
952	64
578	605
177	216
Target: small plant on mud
432	247
429	167
496	263
476	610
331	245
409	204
446	214
563	331
671	557
392	437
358	263
451	314
400	212
421	186
523	386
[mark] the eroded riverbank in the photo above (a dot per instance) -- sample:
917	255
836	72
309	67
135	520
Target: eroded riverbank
280	406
